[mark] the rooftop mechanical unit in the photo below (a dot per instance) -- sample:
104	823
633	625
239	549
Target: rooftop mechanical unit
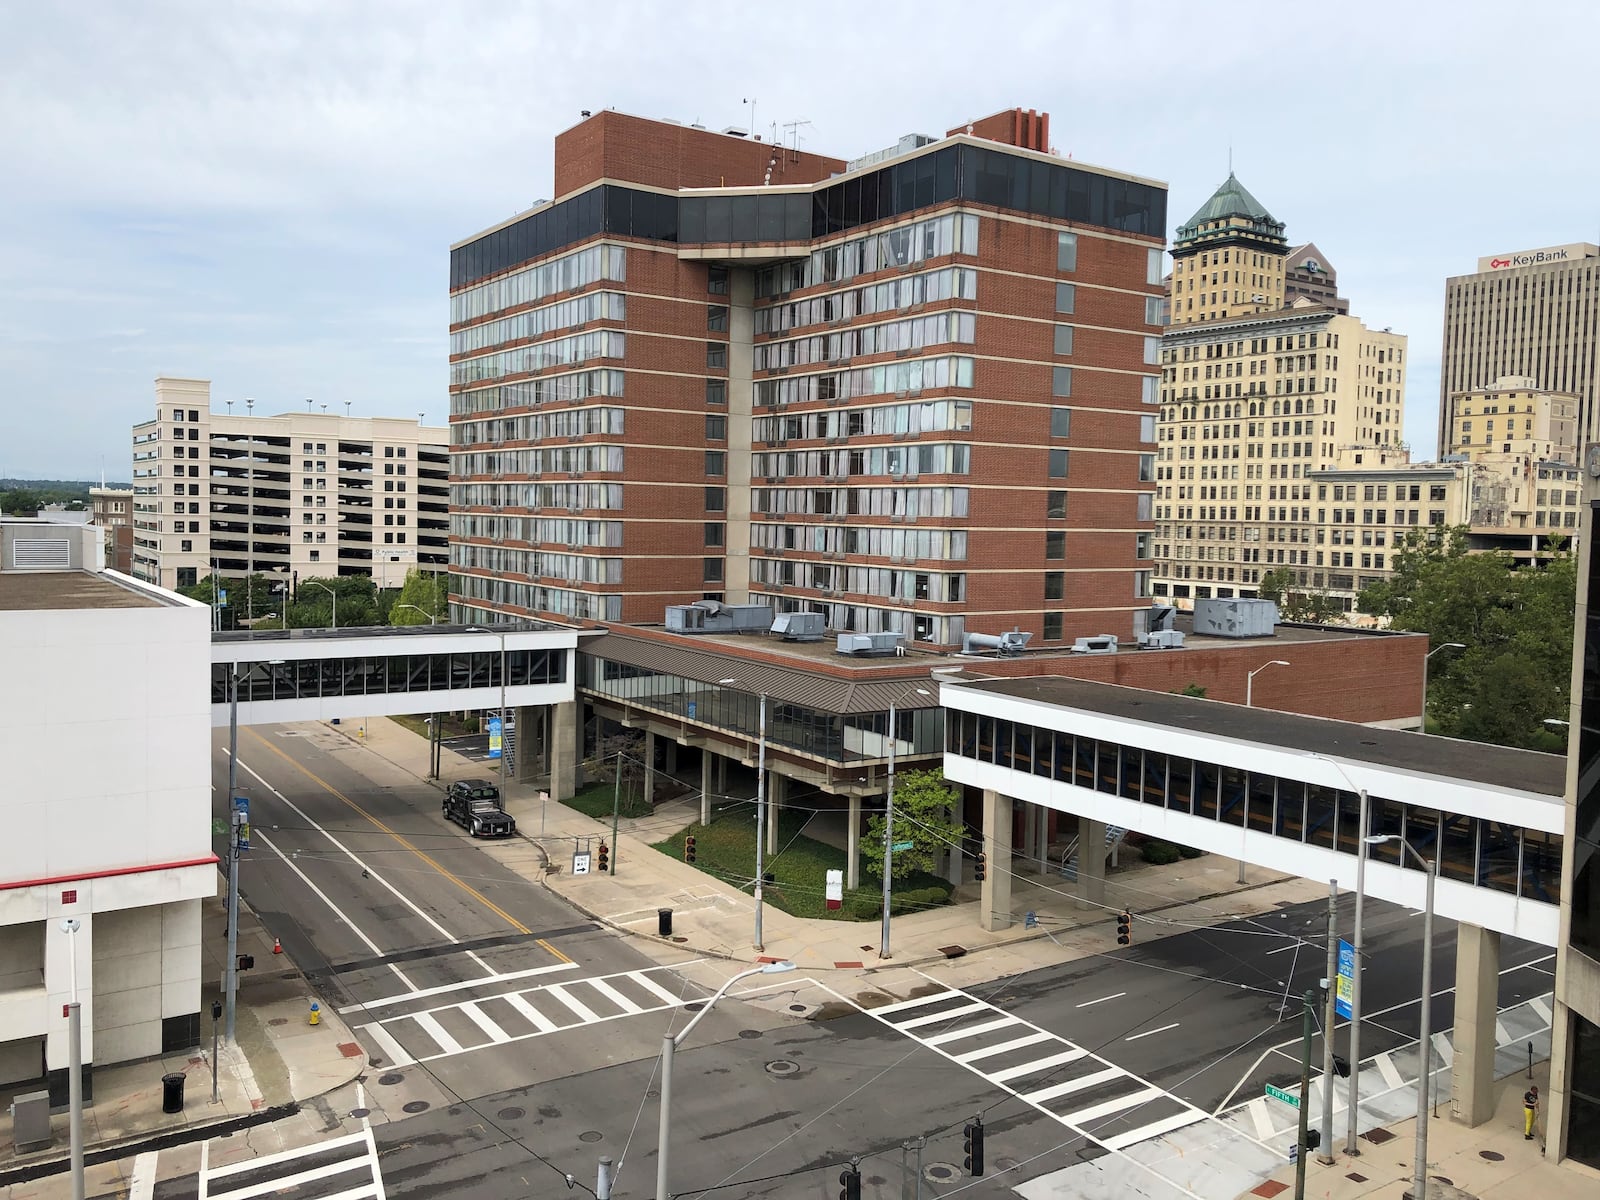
1005	644
1235	618
712	616
871	645
800	626
1160	633
1102	643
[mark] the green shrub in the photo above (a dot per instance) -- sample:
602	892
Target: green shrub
1190	851
1160	853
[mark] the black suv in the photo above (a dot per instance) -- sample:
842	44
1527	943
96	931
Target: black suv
474	804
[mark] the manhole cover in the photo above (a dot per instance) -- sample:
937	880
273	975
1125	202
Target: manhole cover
415	1106
1378	1136
391	1077
360	1112
680	939
1444	1179
510	1114
749	1035
940	1172
651	1094
1491	1156
782	1066
590	1135
276	1021
694	1006
797	1008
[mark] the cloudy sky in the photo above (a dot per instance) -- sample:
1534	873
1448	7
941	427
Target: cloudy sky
264	194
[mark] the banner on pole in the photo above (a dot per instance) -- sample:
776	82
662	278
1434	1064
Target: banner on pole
1344	985
494	737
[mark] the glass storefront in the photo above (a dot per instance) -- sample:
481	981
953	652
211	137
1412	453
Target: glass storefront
1586	846
1583	1098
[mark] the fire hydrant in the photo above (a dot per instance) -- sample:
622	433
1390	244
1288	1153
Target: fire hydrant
316	1014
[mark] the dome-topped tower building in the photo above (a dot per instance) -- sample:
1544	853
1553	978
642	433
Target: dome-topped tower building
1228	259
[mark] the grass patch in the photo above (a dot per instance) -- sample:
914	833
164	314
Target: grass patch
726	848
596	800
453	726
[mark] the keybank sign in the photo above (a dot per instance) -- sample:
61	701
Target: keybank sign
1537	258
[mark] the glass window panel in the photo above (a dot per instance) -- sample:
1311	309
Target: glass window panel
1105	779
1179	776
1459	859
1387	817
1205	790
1022	747
1083	758
1322	815
1541	866
1042	742
1132	768
985	739
1002	743
1349	823
1261	797
1422	831
1235	790
1153	782
1291	818
1063	771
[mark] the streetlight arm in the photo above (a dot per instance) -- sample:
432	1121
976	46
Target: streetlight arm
709	1004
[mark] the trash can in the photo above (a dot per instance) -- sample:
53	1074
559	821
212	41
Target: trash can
172	1092
664	922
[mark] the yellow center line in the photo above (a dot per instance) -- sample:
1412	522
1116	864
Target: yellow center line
455	879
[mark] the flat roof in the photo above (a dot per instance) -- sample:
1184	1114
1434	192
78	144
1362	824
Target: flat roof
44	591
1498	766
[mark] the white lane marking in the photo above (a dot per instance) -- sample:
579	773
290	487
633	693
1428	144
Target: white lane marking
269	1160
1038	1064
205	1158
1032	1039
142	1185
1442	1047
1501	1033
650	985
616	997
393	1051
947	1015
1150	1032
1282	949
338	912
531	1014
1102	1000
481	1019
585	1013
430	1026
967	1031
1260	1118
1539	1006
1131	1100
456	987
311	1176
1155	1129
1389	1072
1082	1083
914	1002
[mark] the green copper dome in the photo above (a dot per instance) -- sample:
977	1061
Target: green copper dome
1232	203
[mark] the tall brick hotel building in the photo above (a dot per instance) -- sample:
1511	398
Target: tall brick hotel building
916	392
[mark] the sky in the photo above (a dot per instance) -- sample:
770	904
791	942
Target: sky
264	195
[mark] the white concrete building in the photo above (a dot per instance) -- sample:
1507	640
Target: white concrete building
105	736
296	494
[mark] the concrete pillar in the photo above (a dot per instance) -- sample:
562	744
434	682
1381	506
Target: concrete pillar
1030	834
1477	995
670	755
722	775
852	844
649	766
1043	814
564	750
1091	863
776	789
706	761
994	902
525	760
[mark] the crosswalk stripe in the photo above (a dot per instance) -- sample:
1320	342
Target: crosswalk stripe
142	1185
946	1015
1260	1118
1074	1085
430	1026
362	1191
939	1039
1443	1048
392	1049
1387	1069
584	1012
1155	1129
650	985
481	1019
284	1183
914	1002
272	1160
616	997
1539	1006
531	1014
1032	1039
1131	1100
1041	1064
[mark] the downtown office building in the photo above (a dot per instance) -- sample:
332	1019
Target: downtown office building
915	393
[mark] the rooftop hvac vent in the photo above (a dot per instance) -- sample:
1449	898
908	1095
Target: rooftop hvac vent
1235	618
1006	644
871	645
800	626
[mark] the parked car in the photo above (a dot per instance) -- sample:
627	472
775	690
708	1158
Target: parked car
474	804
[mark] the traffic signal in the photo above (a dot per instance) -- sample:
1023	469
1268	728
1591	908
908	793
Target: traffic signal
973	1145
851	1179
1124	928
247	962
605	857
1341	1066
688	848
981	868
1313	1138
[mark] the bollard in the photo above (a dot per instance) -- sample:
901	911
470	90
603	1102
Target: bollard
316	1014
664	922
1530	1060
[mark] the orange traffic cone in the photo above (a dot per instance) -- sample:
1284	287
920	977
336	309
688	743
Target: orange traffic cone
277	946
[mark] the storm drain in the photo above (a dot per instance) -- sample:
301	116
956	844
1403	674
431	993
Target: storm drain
940	1172
750	1035
590	1135
415	1106
391	1077
510	1114
782	1067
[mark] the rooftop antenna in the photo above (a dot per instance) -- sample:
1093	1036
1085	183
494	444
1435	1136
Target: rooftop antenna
309	403
791	131
1230	158
229	403
347	408
249	404
420	415
324	406
751	101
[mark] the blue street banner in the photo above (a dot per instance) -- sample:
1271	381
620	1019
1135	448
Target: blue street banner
241	805
494	737
1344	985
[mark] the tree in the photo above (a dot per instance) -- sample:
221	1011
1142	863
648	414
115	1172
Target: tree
923	803
313	608
20	502
1515	622
1191	689
1278	585
1275	584
428	591
250	598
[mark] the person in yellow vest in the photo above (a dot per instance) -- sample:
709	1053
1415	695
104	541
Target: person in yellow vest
1530	1111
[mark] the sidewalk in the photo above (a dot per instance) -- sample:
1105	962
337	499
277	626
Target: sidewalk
280	1060
714	918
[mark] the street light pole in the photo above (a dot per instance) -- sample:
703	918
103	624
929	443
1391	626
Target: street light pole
333	596
761	818
432	620
1330	1016
888	837
1422	723
669	1045
231	967
1353	1106
70	927
1250	680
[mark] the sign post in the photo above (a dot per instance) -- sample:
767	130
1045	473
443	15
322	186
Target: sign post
1277	1093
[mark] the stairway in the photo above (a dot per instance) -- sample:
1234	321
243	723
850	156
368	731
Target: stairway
1069	858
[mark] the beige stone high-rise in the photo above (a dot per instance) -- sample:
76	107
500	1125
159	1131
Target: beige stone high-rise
1228	260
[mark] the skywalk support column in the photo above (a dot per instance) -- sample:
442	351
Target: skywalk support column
1091	863
1477	996
852	843
777	787
564	750
649	766
526	755
706	761
994	897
